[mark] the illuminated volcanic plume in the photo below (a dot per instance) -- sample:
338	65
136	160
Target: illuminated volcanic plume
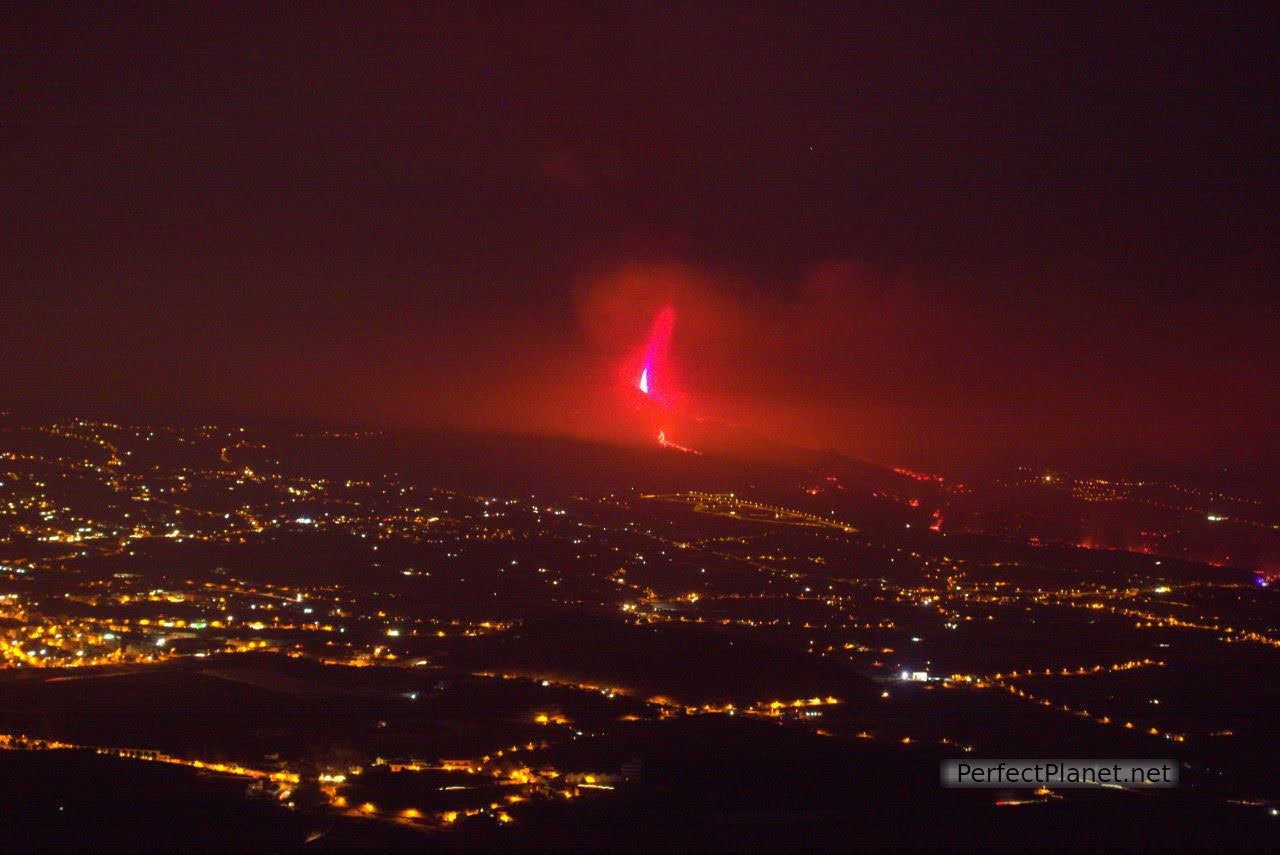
653	380
654	367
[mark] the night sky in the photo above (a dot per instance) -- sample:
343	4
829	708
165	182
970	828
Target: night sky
944	237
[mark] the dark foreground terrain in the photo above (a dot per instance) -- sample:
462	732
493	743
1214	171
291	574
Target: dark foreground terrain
213	639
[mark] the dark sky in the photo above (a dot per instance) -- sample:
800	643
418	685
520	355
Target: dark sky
921	235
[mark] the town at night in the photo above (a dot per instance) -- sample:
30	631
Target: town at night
612	429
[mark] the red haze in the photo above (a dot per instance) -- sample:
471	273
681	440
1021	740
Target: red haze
885	364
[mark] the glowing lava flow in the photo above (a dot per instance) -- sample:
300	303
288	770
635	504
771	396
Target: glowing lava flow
666	443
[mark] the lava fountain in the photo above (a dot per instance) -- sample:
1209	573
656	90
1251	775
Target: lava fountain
653	380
